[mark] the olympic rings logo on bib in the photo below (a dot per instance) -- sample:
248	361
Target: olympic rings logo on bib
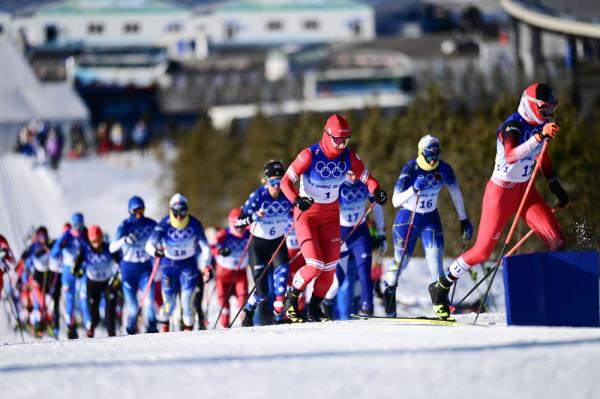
180	235
432	181
275	208
351	194
330	169
95	258
142	232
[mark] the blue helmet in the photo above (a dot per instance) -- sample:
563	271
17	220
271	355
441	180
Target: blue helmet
77	221
135	202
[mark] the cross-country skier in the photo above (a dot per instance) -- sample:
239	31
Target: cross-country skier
66	248
177	240
321	169
96	268
268	210
353	197
231	270
136	265
37	262
7	259
519	141
424	178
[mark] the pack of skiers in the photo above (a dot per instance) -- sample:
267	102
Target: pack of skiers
298	234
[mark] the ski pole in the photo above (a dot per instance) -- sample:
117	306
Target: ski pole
260	277
13	309
147	288
522	240
513	227
238	268
399	265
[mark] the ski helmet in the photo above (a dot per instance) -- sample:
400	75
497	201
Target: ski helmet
77	221
134	203
273	168
95	234
336	132
233	216
429	152
539	102
41	234
179	205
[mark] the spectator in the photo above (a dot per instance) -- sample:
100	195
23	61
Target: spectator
54	146
79	145
141	136
117	138
102	139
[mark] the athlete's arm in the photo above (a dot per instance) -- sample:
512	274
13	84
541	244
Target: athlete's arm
401	193
379	221
513	151
293	173
118	241
359	169
154	239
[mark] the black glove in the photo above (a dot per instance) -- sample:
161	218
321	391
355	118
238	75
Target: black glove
208	273
77	270
381	242
115	281
380	196
130	239
561	194
225	251
243	222
3	253
159	253
466	229
303	203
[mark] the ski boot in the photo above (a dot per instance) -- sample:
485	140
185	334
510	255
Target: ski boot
439	297
72	333
327	308
187	328
152	329
90	332
365	310
248	319
314	312
291	306
163	326
389	299
130	330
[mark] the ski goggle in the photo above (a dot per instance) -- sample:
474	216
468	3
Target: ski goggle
546	109
137	211
179	211
274	182
339	140
431	155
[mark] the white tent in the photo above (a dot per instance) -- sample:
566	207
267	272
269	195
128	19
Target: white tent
24	98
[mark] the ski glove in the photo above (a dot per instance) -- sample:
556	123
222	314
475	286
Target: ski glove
380	196
243	222
225	251
420	183
303	203
3	265
115	281
3	253
561	194
382	243
466	229
549	131
159	253
208	273
130	239
76	270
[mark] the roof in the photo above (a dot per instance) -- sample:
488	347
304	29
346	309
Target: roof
288	5
23	97
70	7
569	17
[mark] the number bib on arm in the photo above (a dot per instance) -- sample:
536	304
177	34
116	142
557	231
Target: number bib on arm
352	202
521	170
324	177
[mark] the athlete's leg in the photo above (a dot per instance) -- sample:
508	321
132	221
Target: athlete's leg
69	293
170	288
223	281
399	234
363	254
149	310
307	234
540	218
329	243
498	205
188	280
432	239
130	278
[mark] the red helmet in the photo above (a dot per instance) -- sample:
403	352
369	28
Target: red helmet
233	216
337	126
541	100
95	233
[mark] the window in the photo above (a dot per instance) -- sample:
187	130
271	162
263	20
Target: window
230	30
274	25
174	27
95	29
131	28
311	24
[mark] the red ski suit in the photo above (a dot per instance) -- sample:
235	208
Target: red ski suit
7	260
320	171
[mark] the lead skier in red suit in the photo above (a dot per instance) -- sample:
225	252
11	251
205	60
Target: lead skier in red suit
321	169
518	143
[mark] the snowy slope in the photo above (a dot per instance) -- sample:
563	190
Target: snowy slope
360	359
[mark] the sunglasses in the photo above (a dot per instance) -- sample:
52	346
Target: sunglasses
274	182
179	212
546	109
431	155
339	140
137	211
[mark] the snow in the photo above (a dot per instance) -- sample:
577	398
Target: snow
362	359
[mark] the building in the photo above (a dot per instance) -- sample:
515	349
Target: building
279	22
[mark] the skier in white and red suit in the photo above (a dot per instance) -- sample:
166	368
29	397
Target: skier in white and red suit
6	259
231	269
519	141
321	169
